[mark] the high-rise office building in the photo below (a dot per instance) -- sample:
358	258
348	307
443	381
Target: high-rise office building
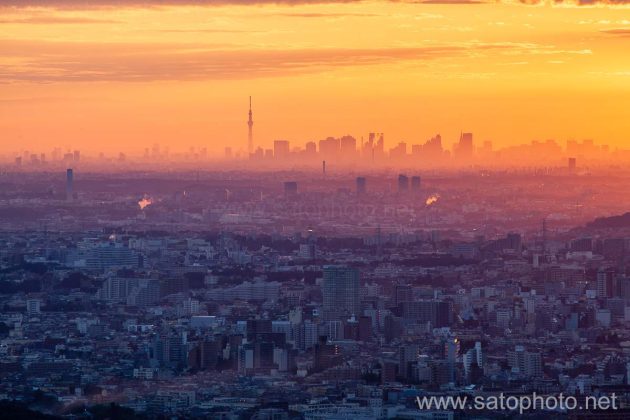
69	184
526	363
258	154
432	149
402	293
451	354
290	189
348	147
146	293
329	148
310	149
33	306
473	361
572	164
399	152
403	183
486	149
415	183
340	291
308	251
374	148
361	185
281	149
465	146
514	241
606	283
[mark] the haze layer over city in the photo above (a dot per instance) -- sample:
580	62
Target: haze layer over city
314	210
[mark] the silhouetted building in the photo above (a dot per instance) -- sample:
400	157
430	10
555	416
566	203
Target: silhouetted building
582	245
281	149
399	152
415	183
439	313
606	283
432	149
365	328
361	185
204	355
69	184
340	291
326	355
329	148
310	149
290	189
111	255
258	326
403	183
402	293
465	146
526	363
348	147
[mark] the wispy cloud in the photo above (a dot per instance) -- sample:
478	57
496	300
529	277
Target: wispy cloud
444	1
210	31
82	4
326	15
64	61
52	20
617	32
572	2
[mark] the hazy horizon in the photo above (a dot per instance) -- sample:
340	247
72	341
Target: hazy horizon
111	76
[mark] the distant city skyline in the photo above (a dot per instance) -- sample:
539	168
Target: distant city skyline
370	150
125	77
367	152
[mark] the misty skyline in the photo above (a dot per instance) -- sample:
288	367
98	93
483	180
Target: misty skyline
123	75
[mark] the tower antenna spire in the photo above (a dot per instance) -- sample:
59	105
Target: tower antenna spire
250	125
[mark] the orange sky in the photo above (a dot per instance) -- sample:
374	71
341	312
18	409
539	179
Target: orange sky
120	76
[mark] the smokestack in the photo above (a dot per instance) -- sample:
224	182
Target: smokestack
324	168
361	185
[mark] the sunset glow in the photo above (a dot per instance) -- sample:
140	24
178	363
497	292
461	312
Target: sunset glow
123	75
